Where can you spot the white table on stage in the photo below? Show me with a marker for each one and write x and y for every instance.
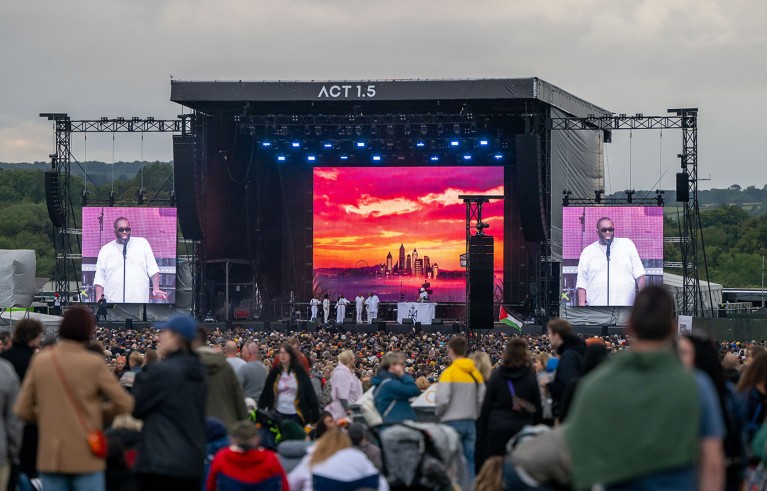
(422, 312)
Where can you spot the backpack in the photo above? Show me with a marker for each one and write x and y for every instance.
(369, 411)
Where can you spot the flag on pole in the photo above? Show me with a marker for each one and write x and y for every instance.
(509, 320)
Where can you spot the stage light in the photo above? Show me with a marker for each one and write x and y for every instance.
(111, 198)
(295, 144)
(172, 199)
(498, 156)
(84, 198)
(266, 144)
(454, 143)
(473, 127)
(344, 157)
(420, 144)
(140, 197)
(311, 158)
(440, 129)
(328, 145)
(457, 129)
(318, 130)
(434, 158)
(483, 143)
(376, 158)
(307, 130)
(281, 158)
(360, 144)
(390, 130)
(467, 157)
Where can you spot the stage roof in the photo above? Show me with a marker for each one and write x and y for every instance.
(270, 97)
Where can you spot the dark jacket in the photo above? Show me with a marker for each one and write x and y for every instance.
(307, 406)
(170, 398)
(569, 369)
(497, 413)
(19, 355)
(225, 400)
(399, 389)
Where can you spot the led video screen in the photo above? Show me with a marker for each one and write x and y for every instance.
(129, 255)
(609, 253)
(395, 230)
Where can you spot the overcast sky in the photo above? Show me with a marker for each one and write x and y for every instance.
(95, 58)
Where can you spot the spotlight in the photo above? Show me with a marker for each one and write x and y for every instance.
(598, 195)
(295, 145)
(328, 145)
(467, 157)
(498, 156)
(84, 197)
(376, 158)
(172, 199)
(111, 198)
(408, 129)
(318, 130)
(344, 157)
(440, 129)
(434, 158)
(457, 129)
(454, 143)
(311, 158)
(630, 195)
(420, 144)
(266, 144)
(360, 144)
(483, 143)
(373, 130)
(390, 130)
(358, 130)
(424, 129)
(281, 158)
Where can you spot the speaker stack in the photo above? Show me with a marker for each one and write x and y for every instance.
(480, 279)
(53, 199)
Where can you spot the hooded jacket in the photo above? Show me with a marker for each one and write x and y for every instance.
(569, 368)
(460, 391)
(170, 399)
(234, 469)
(398, 390)
(225, 401)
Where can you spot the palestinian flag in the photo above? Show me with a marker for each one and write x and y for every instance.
(509, 320)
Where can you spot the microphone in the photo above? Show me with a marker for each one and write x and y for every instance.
(125, 249)
(609, 242)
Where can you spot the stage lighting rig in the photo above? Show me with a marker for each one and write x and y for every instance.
(481, 226)
(659, 197)
(598, 195)
(111, 198)
(630, 195)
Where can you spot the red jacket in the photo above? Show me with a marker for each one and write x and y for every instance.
(245, 468)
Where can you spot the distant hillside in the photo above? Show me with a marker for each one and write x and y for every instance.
(99, 172)
(752, 199)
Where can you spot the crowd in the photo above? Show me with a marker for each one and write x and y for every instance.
(179, 406)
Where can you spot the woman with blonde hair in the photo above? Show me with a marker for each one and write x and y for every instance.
(346, 388)
(482, 362)
(333, 464)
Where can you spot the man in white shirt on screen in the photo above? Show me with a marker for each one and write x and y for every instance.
(609, 261)
(125, 267)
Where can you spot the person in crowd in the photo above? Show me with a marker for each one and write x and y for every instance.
(10, 426)
(750, 354)
(595, 354)
(216, 438)
(325, 424)
(359, 436)
(225, 400)
(27, 334)
(702, 355)
(422, 383)
(245, 466)
(540, 362)
(230, 352)
(570, 349)
(252, 375)
(102, 309)
(170, 399)
(120, 366)
(122, 440)
(135, 361)
(288, 389)
(393, 389)
(372, 304)
(302, 359)
(663, 418)
(490, 476)
(752, 388)
(5, 341)
(64, 392)
(150, 356)
(294, 445)
(334, 464)
(346, 388)
(325, 308)
(513, 400)
(730, 365)
(341, 309)
(483, 363)
(460, 392)
(359, 305)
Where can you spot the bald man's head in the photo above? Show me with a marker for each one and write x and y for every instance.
(230, 349)
(250, 352)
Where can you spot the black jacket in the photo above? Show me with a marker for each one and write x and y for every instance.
(19, 355)
(307, 406)
(170, 398)
(569, 369)
(497, 413)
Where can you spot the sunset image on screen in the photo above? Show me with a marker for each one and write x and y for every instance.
(390, 230)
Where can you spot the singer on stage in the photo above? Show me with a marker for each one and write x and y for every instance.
(609, 270)
(125, 267)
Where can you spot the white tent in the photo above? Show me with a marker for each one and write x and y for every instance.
(711, 292)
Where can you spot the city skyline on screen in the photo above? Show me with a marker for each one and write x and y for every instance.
(399, 227)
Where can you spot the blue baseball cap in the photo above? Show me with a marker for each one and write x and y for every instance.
(184, 325)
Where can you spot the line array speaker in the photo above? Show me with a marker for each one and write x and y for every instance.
(53, 200)
(682, 187)
(529, 188)
(481, 281)
(186, 195)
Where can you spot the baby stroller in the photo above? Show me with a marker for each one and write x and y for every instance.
(423, 456)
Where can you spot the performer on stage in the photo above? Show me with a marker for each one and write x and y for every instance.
(125, 267)
(359, 303)
(423, 295)
(102, 311)
(609, 270)
(341, 309)
(326, 308)
(315, 304)
(372, 303)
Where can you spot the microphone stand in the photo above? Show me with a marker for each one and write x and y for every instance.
(608, 273)
(125, 256)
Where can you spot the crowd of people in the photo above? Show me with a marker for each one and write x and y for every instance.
(179, 406)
